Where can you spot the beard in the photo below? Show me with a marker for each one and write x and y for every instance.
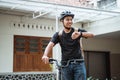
(67, 28)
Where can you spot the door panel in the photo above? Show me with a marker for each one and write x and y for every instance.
(97, 64)
(20, 62)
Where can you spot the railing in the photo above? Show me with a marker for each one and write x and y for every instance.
(28, 76)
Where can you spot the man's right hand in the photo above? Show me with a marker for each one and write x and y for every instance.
(45, 59)
(48, 49)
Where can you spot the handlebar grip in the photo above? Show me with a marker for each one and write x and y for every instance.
(51, 60)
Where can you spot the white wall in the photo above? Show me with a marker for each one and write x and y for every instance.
(104, 26)
(100, 44)
(118, 3)
(6, 53)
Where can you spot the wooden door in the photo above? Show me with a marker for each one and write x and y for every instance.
(28, 52)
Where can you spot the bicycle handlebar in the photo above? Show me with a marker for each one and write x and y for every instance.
(51, 60)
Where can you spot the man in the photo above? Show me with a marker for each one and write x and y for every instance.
(70, 46)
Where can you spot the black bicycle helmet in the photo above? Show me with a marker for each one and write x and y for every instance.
(66, 13)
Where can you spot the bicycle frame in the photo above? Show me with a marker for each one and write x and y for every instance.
(51, 61)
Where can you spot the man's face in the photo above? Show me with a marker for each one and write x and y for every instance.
(67, 22)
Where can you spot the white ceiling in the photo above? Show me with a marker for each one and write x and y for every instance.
(35, 9)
